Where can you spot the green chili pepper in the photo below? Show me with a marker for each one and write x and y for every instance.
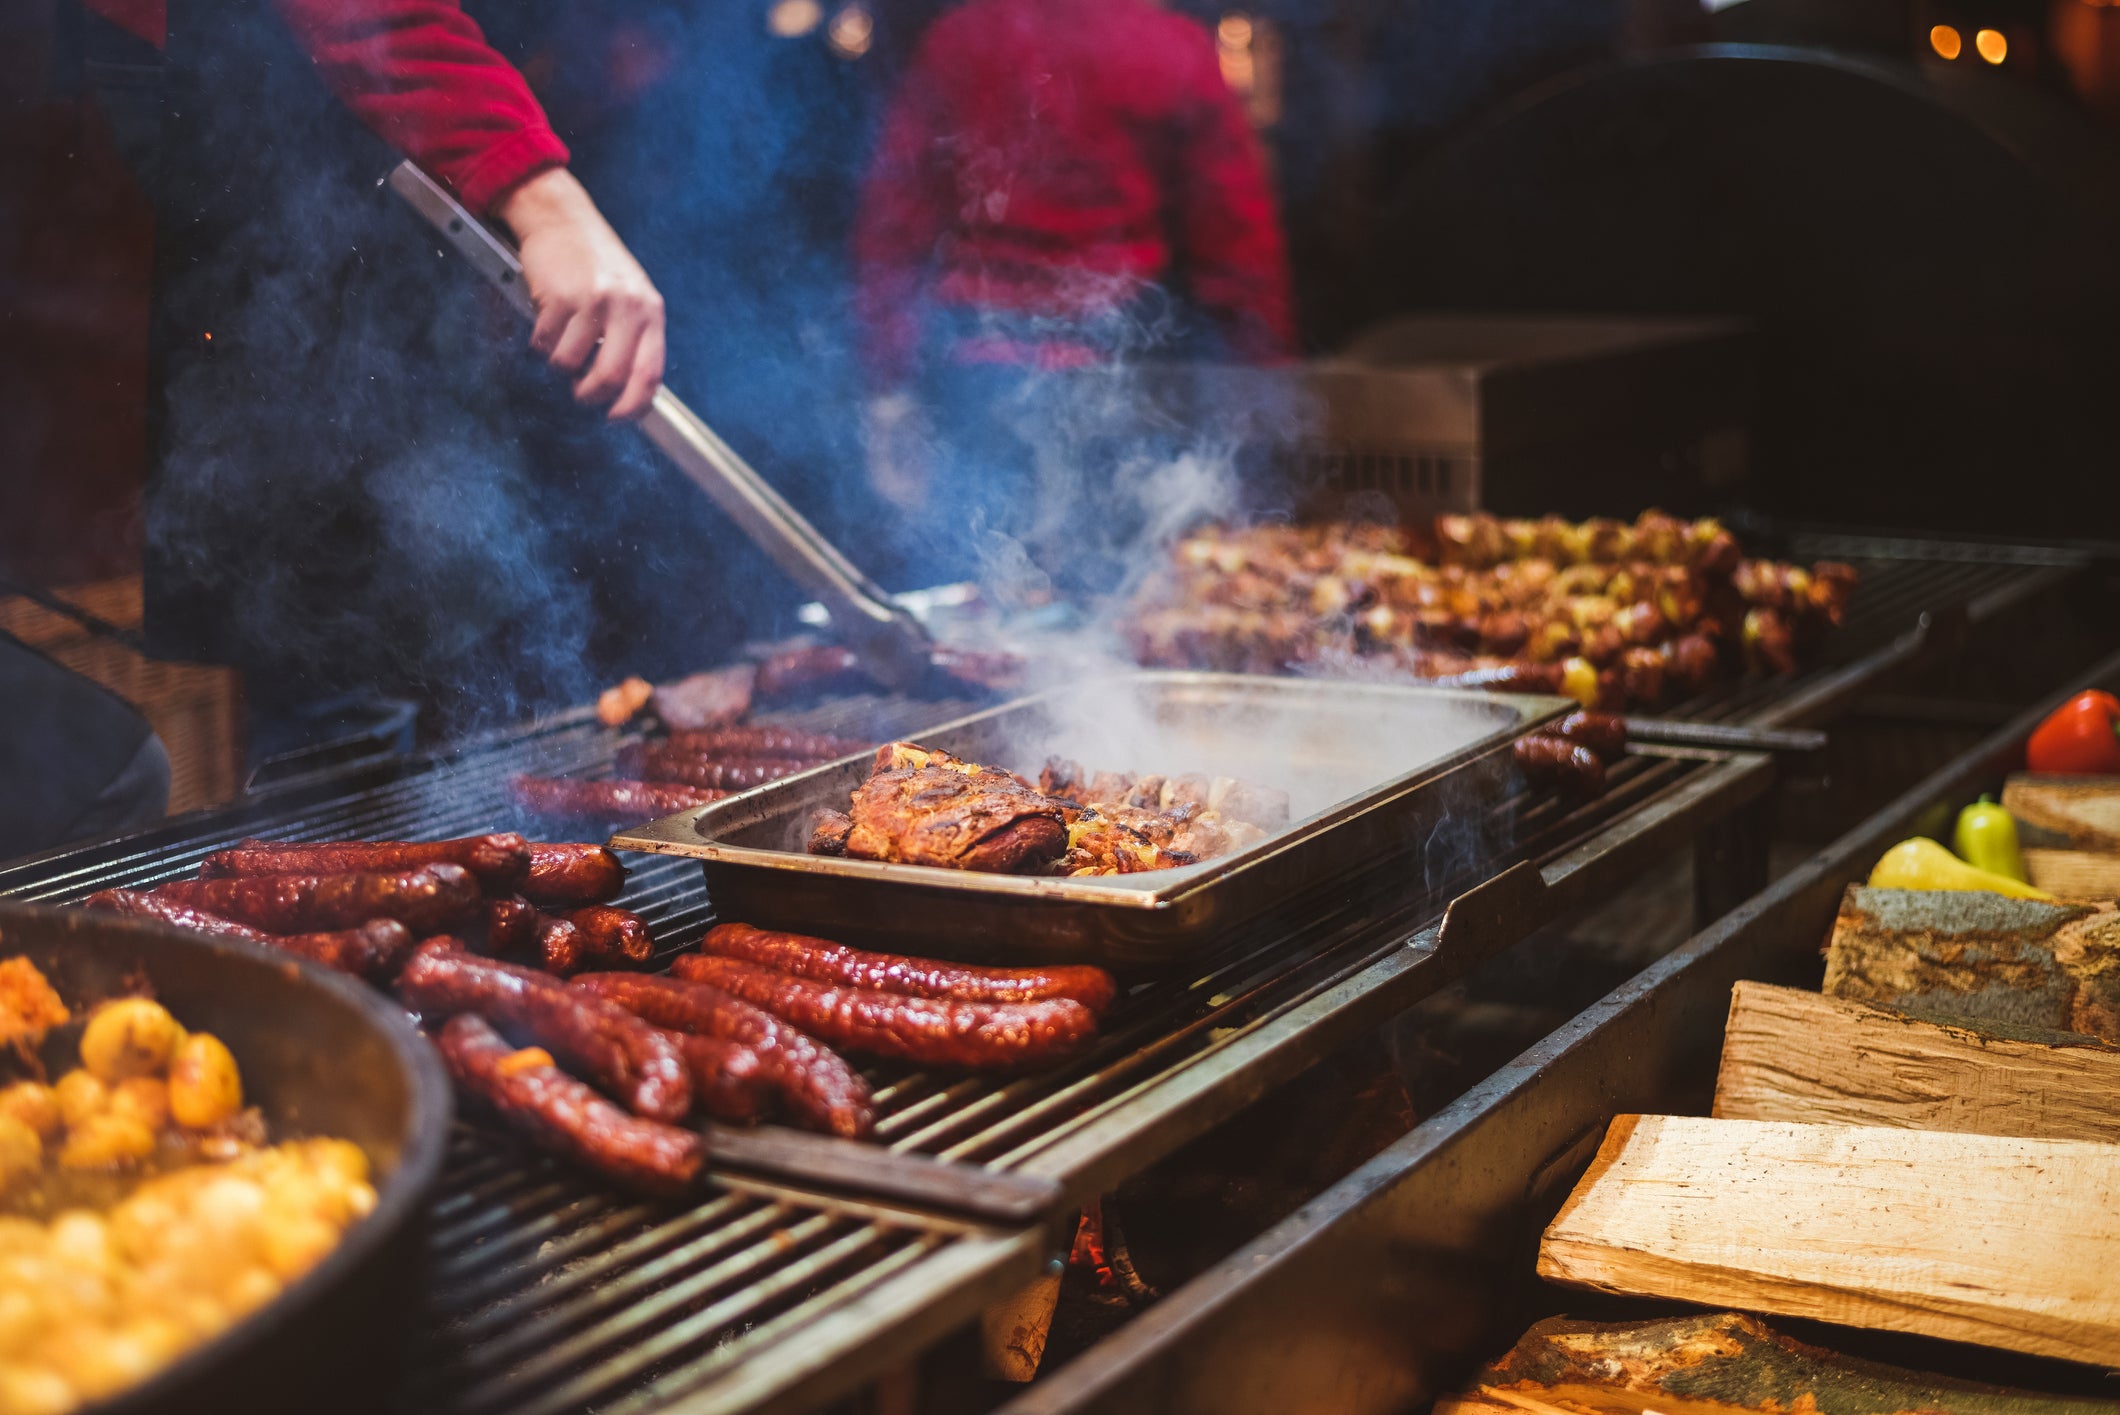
(1986, 838)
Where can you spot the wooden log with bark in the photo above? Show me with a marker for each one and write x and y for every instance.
(1799, 1056)
(1955, 953)
(1719, 1363)
(1999, 1241)
(2077, 812)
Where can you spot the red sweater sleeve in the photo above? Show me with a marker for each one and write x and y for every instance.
(1226, 230)
(907, 204)
(420, 73)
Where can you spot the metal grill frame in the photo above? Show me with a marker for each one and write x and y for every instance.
(1259, 1018)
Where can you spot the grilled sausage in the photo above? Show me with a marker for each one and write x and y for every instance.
(927, 1031)
(611, 936)
(759, 741)
(639, 1064)
(814, 1082)
(499, 861)
(428, 900)
(560, 1114)
(510, 926)
(808, 670)
(374, 950)
(607, 800)
(573, 875)
(658, 761)
(559, 948)
(1602, 732)
(828, 962)
(1557, 762)
(729, 1082)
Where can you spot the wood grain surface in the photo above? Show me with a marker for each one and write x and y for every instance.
(1719, 1363)
(1799, 1056)
(2001, 1241)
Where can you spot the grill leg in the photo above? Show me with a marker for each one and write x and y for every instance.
(1730, 861)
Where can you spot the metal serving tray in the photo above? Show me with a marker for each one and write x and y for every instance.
(1391, 787)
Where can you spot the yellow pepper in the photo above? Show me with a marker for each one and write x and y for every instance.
(1923, 864)
(1986, 839)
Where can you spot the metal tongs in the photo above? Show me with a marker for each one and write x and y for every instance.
(891, 643)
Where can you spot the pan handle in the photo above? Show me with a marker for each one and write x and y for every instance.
(891, 643)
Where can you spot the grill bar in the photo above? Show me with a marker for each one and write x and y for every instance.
(549, 1293)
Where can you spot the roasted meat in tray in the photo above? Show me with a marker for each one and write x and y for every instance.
(1386, 786)
(922, 806)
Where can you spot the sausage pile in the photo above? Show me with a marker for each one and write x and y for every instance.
(514, 957)
(1614, 615)
(602, 1068)
(682, 770)
(360, 906)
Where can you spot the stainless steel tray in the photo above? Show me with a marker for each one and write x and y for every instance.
(1391, 787)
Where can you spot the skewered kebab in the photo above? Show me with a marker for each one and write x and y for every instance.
(1620, 631)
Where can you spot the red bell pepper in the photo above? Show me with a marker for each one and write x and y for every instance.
(2082, 738)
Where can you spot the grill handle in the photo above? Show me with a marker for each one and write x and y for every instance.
(891, 643)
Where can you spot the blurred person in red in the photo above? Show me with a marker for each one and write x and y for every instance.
(359, 484)
(1056, 187)
(421, 76)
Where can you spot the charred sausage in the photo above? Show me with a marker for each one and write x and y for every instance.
(573, 875)
(560, 950)
(374, 950)
(560, 1114)
(1557, 762)
(657, 761)
(639, 1064)
(428, 900)
(828, 962)
(758, 741)
(510, 926)
(611, 936)
(607, 800)
(499, 861)
(814, 1082)
(1602, 732)
(927, 1031)
(729, 1082)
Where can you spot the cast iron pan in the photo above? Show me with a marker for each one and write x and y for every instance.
(321, 1054)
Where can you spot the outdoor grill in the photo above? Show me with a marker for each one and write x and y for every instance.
(550, 1292)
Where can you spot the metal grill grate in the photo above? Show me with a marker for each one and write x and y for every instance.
(553, 1294)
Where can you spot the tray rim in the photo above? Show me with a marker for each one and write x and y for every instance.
(680, 834)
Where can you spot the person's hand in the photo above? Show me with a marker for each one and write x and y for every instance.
(592, 297)
(899, 443)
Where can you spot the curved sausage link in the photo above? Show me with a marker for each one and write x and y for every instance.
(428, 900)
(814, 1082)
(761, 741)
(560, 1114)
(637, 1063)
(374, 950)
(829, 962)
(607, 800)
(499, 861)
(926, 1031)
(660, 762)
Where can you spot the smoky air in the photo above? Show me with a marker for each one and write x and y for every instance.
(364, 481)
